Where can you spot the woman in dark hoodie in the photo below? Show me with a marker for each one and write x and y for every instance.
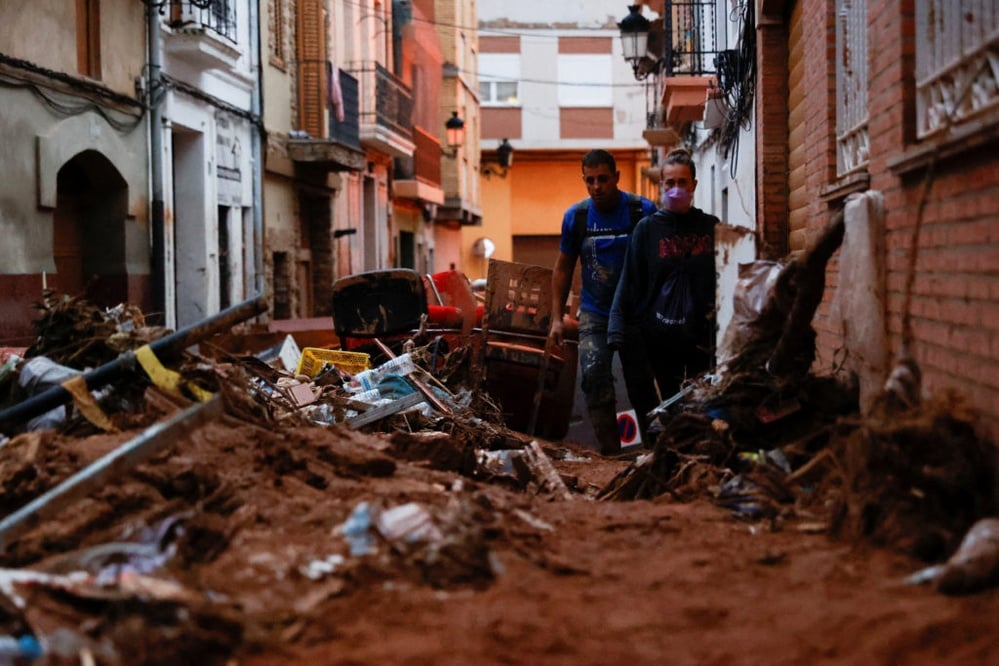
(667, 285)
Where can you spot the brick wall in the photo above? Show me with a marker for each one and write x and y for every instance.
(955, 301)
(771, 138)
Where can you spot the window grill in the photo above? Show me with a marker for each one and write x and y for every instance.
(957, 51)
(852, 139)
(390, 105)
(219, 16)
(694, 38)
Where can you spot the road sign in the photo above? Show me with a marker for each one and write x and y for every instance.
(627, 428)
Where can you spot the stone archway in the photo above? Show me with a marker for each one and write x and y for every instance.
(89, 230)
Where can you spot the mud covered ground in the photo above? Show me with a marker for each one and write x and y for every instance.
(244, 562)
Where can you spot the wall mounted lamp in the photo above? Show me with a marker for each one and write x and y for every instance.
(504, 158)
(635, 30)
(455, 134)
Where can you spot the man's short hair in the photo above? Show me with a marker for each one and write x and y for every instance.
(595, 158)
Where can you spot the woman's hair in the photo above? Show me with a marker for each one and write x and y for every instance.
(682, 156)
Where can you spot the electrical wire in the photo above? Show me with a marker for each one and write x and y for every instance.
(67, 104)
(739, 90)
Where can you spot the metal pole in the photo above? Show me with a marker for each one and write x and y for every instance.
(109, 372)
(113, 464)
(157, 222)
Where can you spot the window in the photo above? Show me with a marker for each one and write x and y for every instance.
(957, 44)
(852, 140)
(88, 38)
(499, 75)
(276, 42)
(584, 80)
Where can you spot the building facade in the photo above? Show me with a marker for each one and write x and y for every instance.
(74, 197)
(205, 155)
(554, 84)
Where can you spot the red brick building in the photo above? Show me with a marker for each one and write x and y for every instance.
(897, 97)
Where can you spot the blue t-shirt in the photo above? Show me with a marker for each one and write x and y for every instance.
(601, 256)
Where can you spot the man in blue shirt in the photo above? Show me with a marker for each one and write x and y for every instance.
(596, 231)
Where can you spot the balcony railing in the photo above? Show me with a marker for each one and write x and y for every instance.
(385, 100)
(694, 39)
(219, 17)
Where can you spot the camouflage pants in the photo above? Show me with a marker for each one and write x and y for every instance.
(597, 378)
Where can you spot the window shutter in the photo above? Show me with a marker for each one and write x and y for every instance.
(311, 37)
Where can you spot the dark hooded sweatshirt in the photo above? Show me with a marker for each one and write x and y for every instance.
(663, 245)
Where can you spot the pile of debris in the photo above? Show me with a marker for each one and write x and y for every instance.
(260, 489)
(771, 440)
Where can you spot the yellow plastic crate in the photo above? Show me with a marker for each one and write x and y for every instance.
(313, 359)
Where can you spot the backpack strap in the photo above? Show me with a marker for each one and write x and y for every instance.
(635, 206)
(582, 209)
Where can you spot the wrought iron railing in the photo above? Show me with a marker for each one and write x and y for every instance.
(957, 48)
(385, 100)
(219, 16)
(346, 131)
(852, 140)
(694, 38)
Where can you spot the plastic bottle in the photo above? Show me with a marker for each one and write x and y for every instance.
(26, 647)
(357, 530)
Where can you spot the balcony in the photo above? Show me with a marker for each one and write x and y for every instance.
(419, 177)
(694, 58)
(206, 37)
(386, 110)
(340, 149)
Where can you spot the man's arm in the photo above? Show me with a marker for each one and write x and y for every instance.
(561, 281)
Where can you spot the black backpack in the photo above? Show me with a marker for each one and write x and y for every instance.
(580, 232)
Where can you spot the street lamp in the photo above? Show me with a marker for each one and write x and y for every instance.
(504, 157)
(455, 134)
(635, 37)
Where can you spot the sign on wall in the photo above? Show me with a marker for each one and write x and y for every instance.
(228, 160)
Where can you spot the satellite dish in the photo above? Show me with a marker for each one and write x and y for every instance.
(483, 247)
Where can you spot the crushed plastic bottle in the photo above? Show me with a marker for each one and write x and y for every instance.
(357, 530)
(26, 649)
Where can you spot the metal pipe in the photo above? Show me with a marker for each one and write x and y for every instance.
(114, 464)
(257, 109)
(112, 370)
(157, 208)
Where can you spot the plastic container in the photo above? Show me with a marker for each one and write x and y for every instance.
(313, 359)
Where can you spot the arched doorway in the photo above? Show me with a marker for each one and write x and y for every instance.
(88, 235)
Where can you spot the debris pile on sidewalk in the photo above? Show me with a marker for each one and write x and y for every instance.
(769, 439)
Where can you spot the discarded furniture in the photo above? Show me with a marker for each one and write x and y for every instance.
(533, 381)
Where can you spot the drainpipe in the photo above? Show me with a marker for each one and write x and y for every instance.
(257, 143)
(156, 211)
